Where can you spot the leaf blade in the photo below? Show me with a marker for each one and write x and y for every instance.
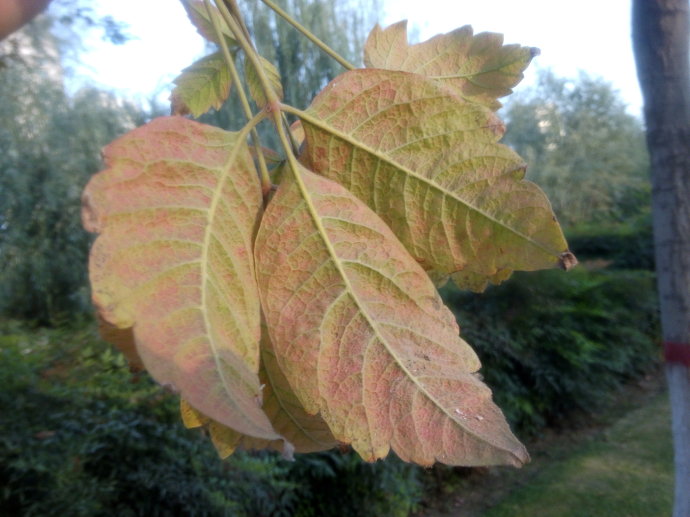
(352, 343)
(478, 67)
(256, 89)
(305, 432)
(202, 86)
(452, 194)
(176, 210)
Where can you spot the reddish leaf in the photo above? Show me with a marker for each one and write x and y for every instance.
(123, 339)
(307, 433)
(363, 337)
(176, 210)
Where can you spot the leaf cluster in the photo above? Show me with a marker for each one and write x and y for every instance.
(294, 306)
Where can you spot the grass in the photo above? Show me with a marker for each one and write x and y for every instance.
(614, 462)
(626, 471)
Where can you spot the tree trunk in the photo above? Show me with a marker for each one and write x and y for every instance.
(660, 39)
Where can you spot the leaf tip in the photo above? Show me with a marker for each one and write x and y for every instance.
(567, 260)
(520, 457)
(288, 451)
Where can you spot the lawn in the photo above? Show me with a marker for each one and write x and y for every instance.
(625, 471)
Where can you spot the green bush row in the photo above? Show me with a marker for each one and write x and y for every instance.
(625, 246)
(81, 436)
(552, 342)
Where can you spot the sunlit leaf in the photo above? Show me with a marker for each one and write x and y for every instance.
(176, 210)
(477, 67)
(256, 89)
(202, 86)
(363, 337)
(431, 166)
(196, 10)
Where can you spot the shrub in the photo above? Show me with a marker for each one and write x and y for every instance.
(551, 342)
(81, 437)
(626, 246)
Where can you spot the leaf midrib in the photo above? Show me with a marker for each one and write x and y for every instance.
(205, 273)
(384, 158)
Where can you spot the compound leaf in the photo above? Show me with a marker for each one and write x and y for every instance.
(476, 67)
(430, 165)
(176, 210)
(363, 337)
(202, 86)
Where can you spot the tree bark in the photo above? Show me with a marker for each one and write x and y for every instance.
(660, 40)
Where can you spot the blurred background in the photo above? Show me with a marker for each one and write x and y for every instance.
(565, 354)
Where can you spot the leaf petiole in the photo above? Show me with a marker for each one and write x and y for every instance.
(264, 177)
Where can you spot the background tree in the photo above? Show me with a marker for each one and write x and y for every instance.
(50, 145)
(661, 40)
(304, 69)
(582, 146)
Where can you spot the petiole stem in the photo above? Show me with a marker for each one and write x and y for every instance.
(264, 176)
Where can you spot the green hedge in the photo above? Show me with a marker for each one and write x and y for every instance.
(626, 246)
(551, 342)
(81, 436)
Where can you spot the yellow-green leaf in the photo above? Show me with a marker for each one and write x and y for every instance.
(176, 210)
(256, 89)
(198, 15)
(363, 337)
(202, 86)
(430, 165)
(477, 67)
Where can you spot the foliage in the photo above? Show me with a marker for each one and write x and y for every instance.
(307, 307)
(81, 436)
(582, 147)
(552, 343)
(303, 68)
(626, 245)
(50, 145)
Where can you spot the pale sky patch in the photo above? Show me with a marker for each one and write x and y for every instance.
(589, 35)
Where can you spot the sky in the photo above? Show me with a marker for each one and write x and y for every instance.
(592, 36)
